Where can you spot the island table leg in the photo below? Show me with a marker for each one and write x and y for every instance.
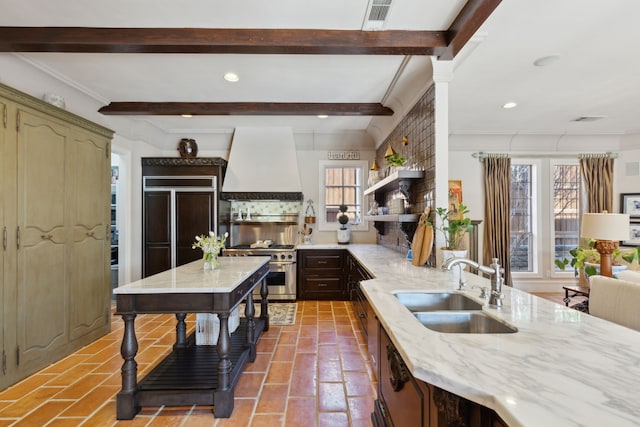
(264, 304)
(181, 331)
(126, 401)
(223, 396)
(249, 313)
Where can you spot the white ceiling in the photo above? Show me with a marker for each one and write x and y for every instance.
(598, 73)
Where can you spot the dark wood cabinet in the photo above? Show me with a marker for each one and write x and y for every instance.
(180, 201)
(406, 401)
(403, 401)
(322, 274)
(367, 318)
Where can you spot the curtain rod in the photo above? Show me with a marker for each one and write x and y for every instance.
(482, 155)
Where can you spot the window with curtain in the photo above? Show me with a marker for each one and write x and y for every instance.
(341, 183)
(544, 214)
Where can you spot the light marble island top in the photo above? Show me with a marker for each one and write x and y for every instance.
(192, 278)
(562, 368)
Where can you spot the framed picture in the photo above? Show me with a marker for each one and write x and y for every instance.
(630, 204)
(634, 235)
(455, 197)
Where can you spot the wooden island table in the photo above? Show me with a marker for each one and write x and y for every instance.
(193, 374)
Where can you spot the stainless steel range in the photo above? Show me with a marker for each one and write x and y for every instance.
(267, 227)
(281, 280)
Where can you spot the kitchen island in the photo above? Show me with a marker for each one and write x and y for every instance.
(561, 368)
(193, 374)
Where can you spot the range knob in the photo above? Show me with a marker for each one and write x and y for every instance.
(290, 256)
(282, 256)
(275, 257)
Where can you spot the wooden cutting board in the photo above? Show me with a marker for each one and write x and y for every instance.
(422, 241)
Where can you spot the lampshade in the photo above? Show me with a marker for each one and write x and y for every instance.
(390, 151)
(605, 226)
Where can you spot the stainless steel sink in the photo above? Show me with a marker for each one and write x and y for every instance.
(436, 301)
(464, 322)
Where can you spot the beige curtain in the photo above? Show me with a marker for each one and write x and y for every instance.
(597, 175)
(497, 184)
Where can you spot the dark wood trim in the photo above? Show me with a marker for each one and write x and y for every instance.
(470, 18)
(245, 109)
(225, 40)
(182, 161)
(443, 44)
(227, 195)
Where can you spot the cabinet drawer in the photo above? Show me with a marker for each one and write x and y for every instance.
(322, 261)
(322, 284)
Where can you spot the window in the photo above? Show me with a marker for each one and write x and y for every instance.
(341, 183)
(544, 214)
(566, 209)
(522, 218)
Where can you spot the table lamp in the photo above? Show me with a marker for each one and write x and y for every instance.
(606, 229)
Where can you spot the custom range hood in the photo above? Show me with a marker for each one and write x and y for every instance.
(262, 165)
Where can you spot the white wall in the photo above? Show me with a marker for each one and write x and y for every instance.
(311, 148)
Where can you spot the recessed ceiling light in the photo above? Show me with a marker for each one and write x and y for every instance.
(186, 115)
(509, 105)
(323, 116)
(546, 60)
(231, 77)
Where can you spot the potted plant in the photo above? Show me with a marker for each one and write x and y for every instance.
(343, 233)
(395, 160)
(588, 259)
(453, 225)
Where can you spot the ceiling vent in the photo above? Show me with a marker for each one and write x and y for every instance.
(588, 118)
(376, 16)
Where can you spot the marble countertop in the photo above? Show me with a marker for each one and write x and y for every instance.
(562, 367)
(192, 278)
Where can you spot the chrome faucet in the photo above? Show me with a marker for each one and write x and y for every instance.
(495, 271)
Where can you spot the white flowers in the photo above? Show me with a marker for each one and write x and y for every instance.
(210, 244)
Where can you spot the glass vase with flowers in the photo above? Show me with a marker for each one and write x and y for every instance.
(210, 246)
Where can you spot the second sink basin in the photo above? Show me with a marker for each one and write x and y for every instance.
(436, 301)
(464, 322)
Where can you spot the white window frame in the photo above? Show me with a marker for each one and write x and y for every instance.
(543, 232)
(568, 272)
(323, 225)
(536, 201)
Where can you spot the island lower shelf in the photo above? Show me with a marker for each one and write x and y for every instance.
(189, 375)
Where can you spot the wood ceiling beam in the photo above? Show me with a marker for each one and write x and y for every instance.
(207, 40)
(470, 18)
(245, 109)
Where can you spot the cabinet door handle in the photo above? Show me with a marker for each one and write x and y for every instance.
(322, 285)
(322, 262)
(18, 237)
(90, 233)
(4, 238)
(46, 236)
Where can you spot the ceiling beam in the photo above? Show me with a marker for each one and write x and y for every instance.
(245, 109)
(470, 18)
(207, 40)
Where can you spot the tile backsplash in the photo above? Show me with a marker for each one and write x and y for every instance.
(266, 207)
(419, 152)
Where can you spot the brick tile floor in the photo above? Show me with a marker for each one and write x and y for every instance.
(313, 373)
